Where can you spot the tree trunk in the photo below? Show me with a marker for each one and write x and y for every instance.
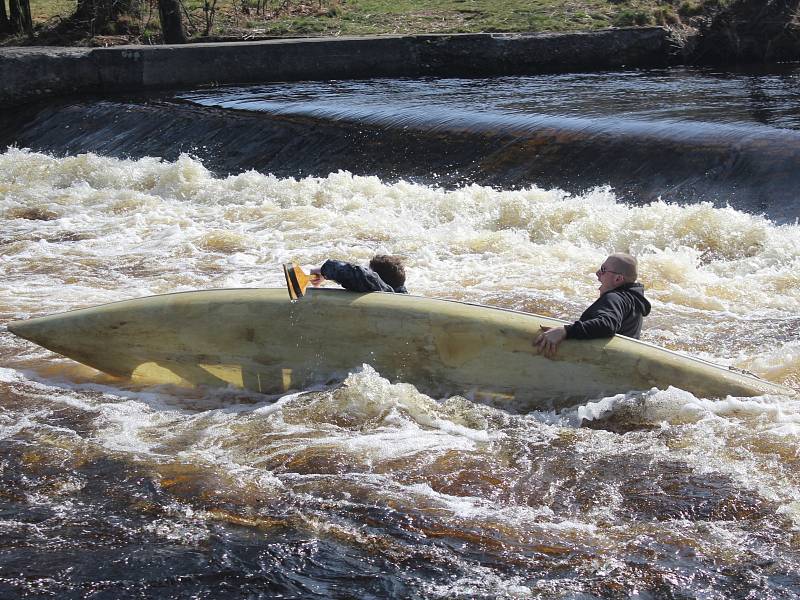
(21, 16)
(171, 26)
(5, 24)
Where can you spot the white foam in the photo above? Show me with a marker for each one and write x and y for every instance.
(10, 375)
(156, 217)
(724, 284)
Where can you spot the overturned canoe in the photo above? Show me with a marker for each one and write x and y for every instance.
(258, 339)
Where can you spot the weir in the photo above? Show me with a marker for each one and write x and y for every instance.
(750, 169)
(39, 72)
(122, 110)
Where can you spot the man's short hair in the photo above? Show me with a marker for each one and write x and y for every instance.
(625, 265)
(389, 268)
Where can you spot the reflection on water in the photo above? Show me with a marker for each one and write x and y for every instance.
(658, 96)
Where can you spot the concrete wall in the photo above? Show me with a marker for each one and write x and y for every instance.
(28, 74)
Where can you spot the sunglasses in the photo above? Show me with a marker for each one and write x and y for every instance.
(603, 271)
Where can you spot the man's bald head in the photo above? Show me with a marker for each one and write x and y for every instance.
(624, 264)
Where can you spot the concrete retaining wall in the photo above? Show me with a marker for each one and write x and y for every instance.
(33, 73)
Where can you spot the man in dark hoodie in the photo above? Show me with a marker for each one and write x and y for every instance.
(619, 309)
(385, 274)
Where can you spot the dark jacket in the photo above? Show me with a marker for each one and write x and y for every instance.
(617, 311)
(356, 279)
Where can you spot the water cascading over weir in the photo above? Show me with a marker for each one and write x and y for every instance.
(115, 102)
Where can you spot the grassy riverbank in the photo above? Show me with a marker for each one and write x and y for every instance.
(256, 19)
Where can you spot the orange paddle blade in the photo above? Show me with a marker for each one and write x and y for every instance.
(296, 280)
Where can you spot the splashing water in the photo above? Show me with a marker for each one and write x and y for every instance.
(372, 489)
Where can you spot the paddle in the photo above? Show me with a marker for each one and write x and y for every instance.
(296, 280)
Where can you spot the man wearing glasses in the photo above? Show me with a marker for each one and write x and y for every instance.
(619, 309)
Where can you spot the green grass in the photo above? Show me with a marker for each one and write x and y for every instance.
(250, 19)
(46, 10)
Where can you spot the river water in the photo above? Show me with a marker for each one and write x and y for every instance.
(372, 489)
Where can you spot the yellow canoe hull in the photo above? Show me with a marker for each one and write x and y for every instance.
(259, 340)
